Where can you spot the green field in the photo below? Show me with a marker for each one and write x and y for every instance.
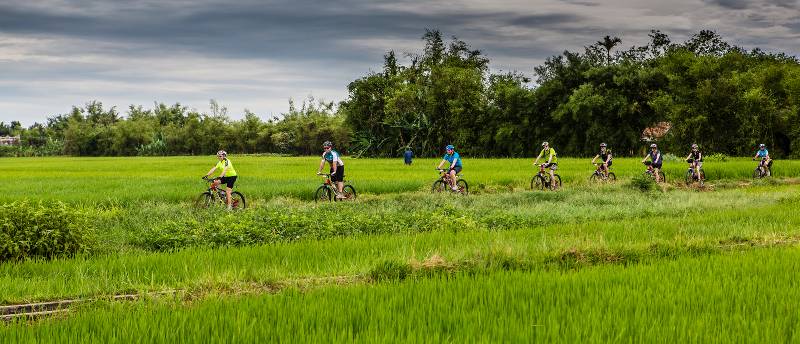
(586, 263)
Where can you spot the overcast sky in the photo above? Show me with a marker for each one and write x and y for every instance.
(258, 54)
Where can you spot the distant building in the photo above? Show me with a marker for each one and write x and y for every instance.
(656, 132)
(9, 140)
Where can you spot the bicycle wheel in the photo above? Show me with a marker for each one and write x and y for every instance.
(237, 200)
(689, 177)
(594, 178)
(555, 184)
(205, 200)
(662, 176)
(348, 193)
(323, 194)
(439, 186)
(537, 182)
(612, 177)
(757, 173)
(462, 186)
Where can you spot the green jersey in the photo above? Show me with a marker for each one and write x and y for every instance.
(226, 163)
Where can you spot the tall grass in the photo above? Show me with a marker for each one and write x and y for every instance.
(721, 298)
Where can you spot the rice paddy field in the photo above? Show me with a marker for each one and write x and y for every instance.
(586, 263)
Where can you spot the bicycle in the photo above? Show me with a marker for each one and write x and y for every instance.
(692, 176)
(763, 169)
(599, 176)
(327, 190)
(217, 196)
(651, 172)
(443, 184)
(542, 180)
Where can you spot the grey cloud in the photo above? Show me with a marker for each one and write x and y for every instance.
(731, 4)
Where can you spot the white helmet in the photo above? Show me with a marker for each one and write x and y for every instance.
(222, 153)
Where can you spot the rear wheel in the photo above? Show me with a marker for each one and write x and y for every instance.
(537, 183)
(348, 193)
(462, 186)
(205, 200)
(237, 200)
(438, 186)
(594, 178)
(555, 184)
(323, 194)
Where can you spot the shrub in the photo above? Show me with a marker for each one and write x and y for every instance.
(643, 183)
(46, 230)
(716, 157)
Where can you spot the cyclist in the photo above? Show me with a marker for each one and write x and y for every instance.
(454, 160)
(227, 176)
(605, 156)
(552, 159)
(697, 160)
(337, 166)
(655, 156)
(766, 161)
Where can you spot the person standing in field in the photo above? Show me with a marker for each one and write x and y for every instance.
(337, 166)
(454, 160)
(408, 155)
(552, 159)
(604, 156)
(655, 156)
(227, 175)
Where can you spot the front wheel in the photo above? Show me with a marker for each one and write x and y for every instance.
(757, 173)
(462, 186)
(595, 177)
(662, 177)
(205, 200)
(689, 177)
(537, 182)
(438, 186)
(348, 193)
(237, 200)
(323, 194)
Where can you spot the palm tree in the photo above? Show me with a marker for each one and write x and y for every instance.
(609, 43)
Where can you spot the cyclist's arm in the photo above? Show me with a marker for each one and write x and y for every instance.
(699, 156)
(658, 157)
(537, 158)
(688, 156)
(211, 171)
(441, 163)
(453, 165)
(645, 157)
(595, 158)
(608, 158)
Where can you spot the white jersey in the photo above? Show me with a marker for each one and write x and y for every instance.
(333, 156)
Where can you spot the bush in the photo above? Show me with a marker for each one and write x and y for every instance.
(46, 230)
(643, 183)
(716, 157)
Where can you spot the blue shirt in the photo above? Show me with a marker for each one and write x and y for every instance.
(762, 153)
(452, 157)
(408, 155)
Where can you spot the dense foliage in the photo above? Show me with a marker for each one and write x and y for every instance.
(43, 230)
(704, 90)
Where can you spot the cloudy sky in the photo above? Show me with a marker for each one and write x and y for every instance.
(258, 54)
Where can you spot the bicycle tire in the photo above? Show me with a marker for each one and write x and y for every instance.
(238, 201)
(663, 177)
(438, 186)
(757, 173)
(462, 186)
(555, 184)
(594, 178)
(689, 177)
(323, 194)
(612, 177)
(537, 183)
(205, 200)
(349, 193)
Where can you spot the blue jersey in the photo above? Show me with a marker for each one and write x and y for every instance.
(762, 153)
(451, 157)
(654, 155)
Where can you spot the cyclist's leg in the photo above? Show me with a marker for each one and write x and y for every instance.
(451, 178)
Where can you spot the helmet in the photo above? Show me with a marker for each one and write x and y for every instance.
(449, 147)
(222, 153)
(545, 143)
(327, 144)
(762, 146)
(694, 146)
(603, 144)
(653, 145)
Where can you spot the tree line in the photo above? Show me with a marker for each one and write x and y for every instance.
(725, 98)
